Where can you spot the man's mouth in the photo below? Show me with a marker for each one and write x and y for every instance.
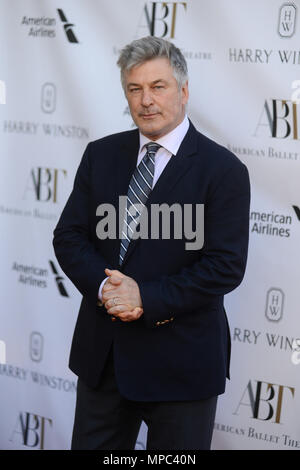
(148, 115)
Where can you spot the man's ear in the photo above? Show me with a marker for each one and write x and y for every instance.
(185, 92)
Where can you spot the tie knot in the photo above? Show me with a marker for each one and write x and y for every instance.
(152, 148)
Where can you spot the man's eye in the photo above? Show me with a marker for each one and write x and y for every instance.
(134, 90)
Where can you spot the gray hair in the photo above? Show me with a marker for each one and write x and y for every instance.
(148, 48)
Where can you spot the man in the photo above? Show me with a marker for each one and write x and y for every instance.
(152, 341)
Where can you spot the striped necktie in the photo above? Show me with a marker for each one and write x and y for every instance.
(138, 192)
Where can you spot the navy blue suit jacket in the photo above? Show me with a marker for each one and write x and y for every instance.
(186, 358)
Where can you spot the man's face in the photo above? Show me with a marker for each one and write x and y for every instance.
(156, 104)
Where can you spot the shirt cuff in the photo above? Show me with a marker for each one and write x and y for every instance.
(100, 303)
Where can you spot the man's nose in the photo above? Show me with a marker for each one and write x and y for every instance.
(147, 98)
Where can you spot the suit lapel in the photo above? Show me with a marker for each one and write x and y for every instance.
(126, 163)
(176, 168)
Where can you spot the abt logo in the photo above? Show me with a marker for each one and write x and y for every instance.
(265, 400)
(161, 18)
(30, 430)
(43, 183)
(280, 118)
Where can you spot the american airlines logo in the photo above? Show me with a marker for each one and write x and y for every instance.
(297, 211)
(68, 27)
(45, 27)
(32, 276)
(59, 280)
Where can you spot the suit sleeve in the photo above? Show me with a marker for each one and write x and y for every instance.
(222, 260)
(72, 241)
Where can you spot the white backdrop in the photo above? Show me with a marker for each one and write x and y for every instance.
(60, 85)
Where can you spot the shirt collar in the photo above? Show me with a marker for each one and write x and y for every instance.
(170, 141)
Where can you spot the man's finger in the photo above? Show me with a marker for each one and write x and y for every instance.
(114, 280)
(131, 315)
(117, 309)
(108, 286)
(106, 296)
(114, 272)
(137, 311)
(109, 301)
(123, 313)
(112, 294)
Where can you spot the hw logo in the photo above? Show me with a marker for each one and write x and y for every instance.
(30, 429)
(43, 182)
(67, 27)
(287, 20)
(36, 346)
(274, 304)
(265, 400)
(161, 18)
(48, 98)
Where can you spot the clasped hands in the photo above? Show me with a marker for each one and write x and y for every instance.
(121, 296)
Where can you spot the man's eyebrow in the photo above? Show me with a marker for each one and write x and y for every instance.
(159, 80)
(132, 84)
(152, 83)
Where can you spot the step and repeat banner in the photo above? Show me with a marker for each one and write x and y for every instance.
(59, 89)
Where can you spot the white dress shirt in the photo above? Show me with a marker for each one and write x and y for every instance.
(170, 144)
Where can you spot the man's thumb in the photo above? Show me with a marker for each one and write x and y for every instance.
(113, 278)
